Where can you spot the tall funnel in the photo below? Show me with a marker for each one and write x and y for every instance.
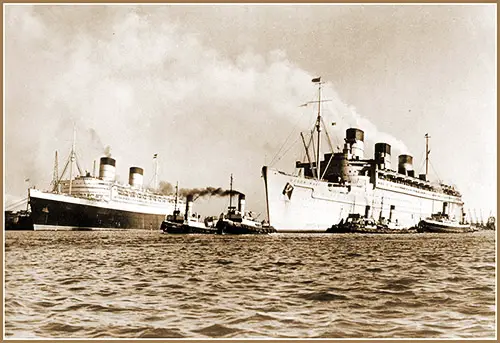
(405, 165)
(241, 203)
(189, 206)
(135, 177)
(355, 139)
(383, 155)
(107, 169)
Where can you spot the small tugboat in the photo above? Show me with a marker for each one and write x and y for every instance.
(490, 225)
(440, 222)
(173, 222)
(20, 220)
(187, 223)
(239, 222)
(355, 223)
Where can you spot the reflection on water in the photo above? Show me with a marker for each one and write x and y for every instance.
(144, 284)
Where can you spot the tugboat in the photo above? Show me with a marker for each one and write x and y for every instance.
(357, 224)
(20, 220)
(189, 223)
(238, 222)
(490, 225)
(440, 222)
(173, 223)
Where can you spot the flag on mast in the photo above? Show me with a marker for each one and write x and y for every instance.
(317, 79)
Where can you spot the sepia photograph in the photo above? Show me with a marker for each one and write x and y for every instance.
(249, 171)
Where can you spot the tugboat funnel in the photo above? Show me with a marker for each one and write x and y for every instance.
(241, 203)
(189, 206)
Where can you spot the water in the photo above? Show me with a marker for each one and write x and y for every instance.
(138, 284)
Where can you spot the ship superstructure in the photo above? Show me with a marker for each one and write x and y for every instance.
(89, 202)
(346, 182)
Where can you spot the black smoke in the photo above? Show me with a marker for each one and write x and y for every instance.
(208, 191)
(168, 189)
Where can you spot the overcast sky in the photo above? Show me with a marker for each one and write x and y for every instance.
(217, 89)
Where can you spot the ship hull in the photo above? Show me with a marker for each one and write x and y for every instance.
(59, 212)
(178, 228)
(229, 227)
(440, 227)
(301, 210)
(297, 204)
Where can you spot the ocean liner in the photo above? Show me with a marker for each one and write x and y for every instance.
(90, 202)
(321, 194)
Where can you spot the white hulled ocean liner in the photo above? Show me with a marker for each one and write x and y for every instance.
(346, 182)
(99, 202)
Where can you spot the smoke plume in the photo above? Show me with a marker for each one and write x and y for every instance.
(167, 188)
(95, 140)
(208, 191)
(107, 151)
(162, 79)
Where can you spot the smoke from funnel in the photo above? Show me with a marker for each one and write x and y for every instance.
(346, 116)
(167, 188)
(208, 191)
(107, 151)
(95, 139)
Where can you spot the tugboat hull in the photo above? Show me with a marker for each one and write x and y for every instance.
(357, 224)
(443, 227)
(229, 227)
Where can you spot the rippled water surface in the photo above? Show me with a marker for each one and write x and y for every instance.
(134, 284)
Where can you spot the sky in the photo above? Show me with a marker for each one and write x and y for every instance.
(216, 90)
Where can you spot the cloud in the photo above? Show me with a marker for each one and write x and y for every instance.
(144, 86)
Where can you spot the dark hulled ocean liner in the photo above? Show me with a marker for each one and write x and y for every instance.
(99, 202)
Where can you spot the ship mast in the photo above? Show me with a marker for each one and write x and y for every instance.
(72, 159)
(155, 178)
(318, 127)
(176, 195)
(307, 153)
(319, 122)
(231, 191)
(55, 176)
(69, 162)
(427, 154)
